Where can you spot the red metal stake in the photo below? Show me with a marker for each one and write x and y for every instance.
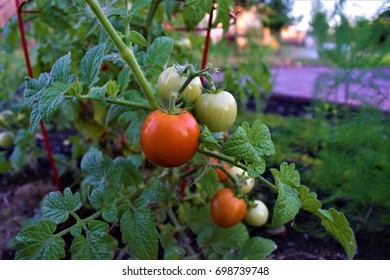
(30, 73)
(207, 42)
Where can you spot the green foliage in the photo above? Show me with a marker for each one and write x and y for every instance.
(121, 196)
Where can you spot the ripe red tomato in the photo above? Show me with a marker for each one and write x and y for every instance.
(169, 140)
(221, 174)
(226, 209)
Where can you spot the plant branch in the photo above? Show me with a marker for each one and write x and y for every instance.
(79, 222)
(125, 53)
(233, 161)
(130, 104)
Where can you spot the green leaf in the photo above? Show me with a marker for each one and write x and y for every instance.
(287, 205)
(256, 248)
(158, 54)
(208, 140)
(208, 181)
(228, 239)
(257, 168)
(32, 94)
(34, 88)
(76, 231)
(124, 79)
(154, 191)
(95, 245)
(260, 137)
(98, 92)
(110, 213)
(61, 71)
(223, 13)
(90, 65)
(138, 5)
(98, 168)
(238, 146)
(137, 38)
(195, 10)
(339, 228)
(112, 88)
(309, 200)
(287, 175)
(57, 206)
(130, 174)
(51, 99)
(102, 196)
(39, 243)
(140, 233)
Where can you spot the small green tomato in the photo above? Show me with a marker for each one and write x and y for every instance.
(6, 139)
(171, 81)
(258, 215)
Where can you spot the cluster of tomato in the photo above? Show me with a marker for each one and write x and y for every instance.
(171, 139)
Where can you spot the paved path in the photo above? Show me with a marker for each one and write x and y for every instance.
(367, 86)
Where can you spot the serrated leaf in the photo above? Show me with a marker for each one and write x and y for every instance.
(287, 205)
(208, 181)
(112, 88)
(157, 54)
(61, 71)
(287, 175)
(238, 146)
(39, 243)
(195, 10)
(309, 200)
(256, 169)
(95, 245)
(34, 88)
(155, 191)
(339, 229)
(139, 232)
(97, 168)
(124, 79)
(101, 196)
(137, 38)
(130, 174)
(227, 239)
(256, 248)
(90, 65)
(98, 92)
(110, 213)
(57, 206)
(35, 117)
(51, 99)
(260, 137)
(223, 13)
(76, 231)
(138, 5)
(208, 140)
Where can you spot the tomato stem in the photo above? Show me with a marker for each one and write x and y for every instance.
(130, 104)
(233, 161)
(125, 52)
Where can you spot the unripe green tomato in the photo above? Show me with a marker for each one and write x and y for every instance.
(6, 114)
(249, 182)
(6, 139)
(183, 43)
(217, 111)
(170, 81)
(258, 215)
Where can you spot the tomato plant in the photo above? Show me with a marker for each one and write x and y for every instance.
(226, 209)
(222, 176)
(218, 111)
(170, 81)
(179, 209)
(169, 140)
(257, 214)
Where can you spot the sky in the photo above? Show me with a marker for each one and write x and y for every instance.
(366, 8)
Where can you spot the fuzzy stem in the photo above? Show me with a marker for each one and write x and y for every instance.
(232, 160)
(125, 53)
